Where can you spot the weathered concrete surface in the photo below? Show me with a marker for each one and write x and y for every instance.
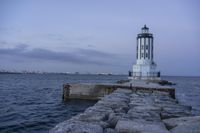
(97, 91)
(127, 111)
(146, 84)
(86, 91)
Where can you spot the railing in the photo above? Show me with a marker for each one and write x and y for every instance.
(153, 74)
(147, 75)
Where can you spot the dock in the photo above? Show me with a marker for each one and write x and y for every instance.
(131, 107)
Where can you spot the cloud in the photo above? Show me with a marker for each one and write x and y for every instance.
(95, 53)
(79, 56)
(69, 38)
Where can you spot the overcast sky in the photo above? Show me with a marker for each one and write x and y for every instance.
(98, 35)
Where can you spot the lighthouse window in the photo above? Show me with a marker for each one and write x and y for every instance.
(142, 46)
(147, 47)
(146, 54)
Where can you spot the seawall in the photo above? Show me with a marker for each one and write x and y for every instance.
(92, 91)
(134, 108)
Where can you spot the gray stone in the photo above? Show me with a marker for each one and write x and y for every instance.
(76, 127)
(127, 126)
(90, 117)
(183, 124)
(113, 119)
(109, 130)
(175, 110)
(148, 108)
(98, 108)
(98, 119)
(131, 111)
(145, 115)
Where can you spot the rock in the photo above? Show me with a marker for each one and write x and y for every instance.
(148, 108)
(144, 115)
(115, 103)
(143, 99)
(76, 127)
(183, 124)
(92, 117)
(175, 110)
(113, 119)
(163, 82)
(99, 109)
(122, 81)
(127, 126)
(132, 112)
(122, 109)
(98, 118)
(116, 97)
(109, 130)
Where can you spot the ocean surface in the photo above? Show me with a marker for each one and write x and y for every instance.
(33, 102)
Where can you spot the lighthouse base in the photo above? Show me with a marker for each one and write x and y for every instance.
(143, 71)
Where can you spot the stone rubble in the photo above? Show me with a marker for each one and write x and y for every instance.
(183, 124)
(126, 111)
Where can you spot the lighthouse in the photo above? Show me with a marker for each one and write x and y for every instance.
(145, 67)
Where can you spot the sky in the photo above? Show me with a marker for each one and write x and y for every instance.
(96, 36)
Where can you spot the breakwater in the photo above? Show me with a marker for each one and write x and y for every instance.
(147, 109)
(92, 91)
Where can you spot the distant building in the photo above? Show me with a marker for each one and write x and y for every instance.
(145, 67)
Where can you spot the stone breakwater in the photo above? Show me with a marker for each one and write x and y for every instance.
(128, 111)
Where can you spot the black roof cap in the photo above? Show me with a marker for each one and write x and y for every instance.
(145, 27)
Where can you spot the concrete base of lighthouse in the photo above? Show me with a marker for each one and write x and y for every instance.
(145, 71)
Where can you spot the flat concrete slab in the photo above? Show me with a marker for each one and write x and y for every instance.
(95, 91)
(146, 84)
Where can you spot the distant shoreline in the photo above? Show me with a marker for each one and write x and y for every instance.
(100, 74)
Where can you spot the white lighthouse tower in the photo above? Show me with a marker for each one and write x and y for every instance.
(145, 67)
